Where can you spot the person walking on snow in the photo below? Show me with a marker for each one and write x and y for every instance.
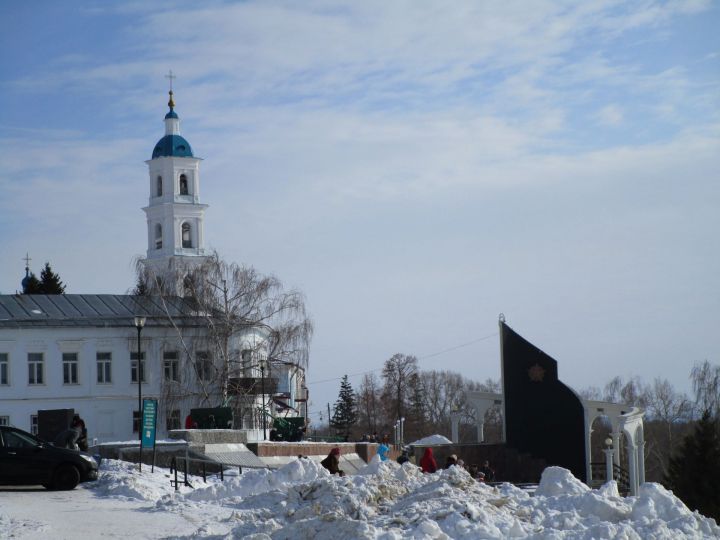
(427, 462)
(332, 462)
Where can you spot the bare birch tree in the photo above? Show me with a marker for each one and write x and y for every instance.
(242, 318)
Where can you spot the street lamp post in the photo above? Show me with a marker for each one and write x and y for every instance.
(262, 390)
(139, 323)
(608, 459)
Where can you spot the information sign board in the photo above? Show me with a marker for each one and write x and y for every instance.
(149, 422)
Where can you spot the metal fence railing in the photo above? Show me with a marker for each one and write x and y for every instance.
(205, 468)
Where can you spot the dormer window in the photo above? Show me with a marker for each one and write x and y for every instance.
(186, 238)
(183, 185)
(158, 236)
(158, 186)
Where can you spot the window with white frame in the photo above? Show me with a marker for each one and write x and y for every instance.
(104, 367)
(4, 420)
(172, 420)
(186, 235)
(171, 366)
(183, 185)
(70, 368)
(4, 369)
(36, 364)
(34, 424)
(203, 366)
(134, 366)
(158, 186)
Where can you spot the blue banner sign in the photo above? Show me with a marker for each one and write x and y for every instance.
(149, 422)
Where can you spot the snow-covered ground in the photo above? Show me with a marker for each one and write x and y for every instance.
(431, 440)
(301, 500)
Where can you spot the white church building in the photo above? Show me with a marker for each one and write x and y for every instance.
(80, 351)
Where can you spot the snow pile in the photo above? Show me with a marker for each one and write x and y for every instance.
(431, 440)
(254, 482)
(556, 481)
(383, 501)
(123, 480)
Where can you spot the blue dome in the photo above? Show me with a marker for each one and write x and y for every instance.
(172, 146)
(171, 114)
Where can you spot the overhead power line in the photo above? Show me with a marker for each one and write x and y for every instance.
(424, 357)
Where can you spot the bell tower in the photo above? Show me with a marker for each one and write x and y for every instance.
(175, 243)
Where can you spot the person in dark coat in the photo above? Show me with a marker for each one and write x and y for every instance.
(78, 424)
(450, 461)
(332, 462)
(427, 462)
(405, 456)
(487, 471)
(67, 439)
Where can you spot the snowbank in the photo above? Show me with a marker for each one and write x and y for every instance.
(431, 440)
(383, 501)
(389, 501)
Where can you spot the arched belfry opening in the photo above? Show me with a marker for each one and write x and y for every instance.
(186, 235)
(158, 236)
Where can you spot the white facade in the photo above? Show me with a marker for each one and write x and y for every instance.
(80, 351)
(91, 368)
(98, 387)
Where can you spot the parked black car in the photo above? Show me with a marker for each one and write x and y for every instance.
(27, 460)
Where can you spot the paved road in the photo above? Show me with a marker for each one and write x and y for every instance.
(29, 512)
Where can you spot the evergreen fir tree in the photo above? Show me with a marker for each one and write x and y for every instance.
(694, 472)
(50, 282)
(141, 288)
(345, 415)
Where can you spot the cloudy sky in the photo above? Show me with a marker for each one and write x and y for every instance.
(416, 168)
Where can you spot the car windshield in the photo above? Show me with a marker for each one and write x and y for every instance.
(15, 439)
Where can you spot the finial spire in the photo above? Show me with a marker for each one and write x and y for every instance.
(27, 260)
(171, 77)
(171, 101)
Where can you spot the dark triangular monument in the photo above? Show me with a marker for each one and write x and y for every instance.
(543, 417)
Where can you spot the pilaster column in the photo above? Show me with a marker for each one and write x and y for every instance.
(455, 419)
(633, 473)
(616, 446)
(481, 431)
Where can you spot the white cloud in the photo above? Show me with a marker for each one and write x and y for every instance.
(610, 115)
